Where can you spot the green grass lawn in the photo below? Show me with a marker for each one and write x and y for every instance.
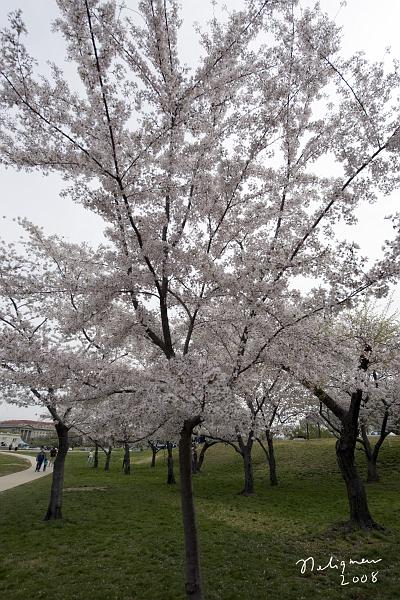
(121, 538)
(12, 464)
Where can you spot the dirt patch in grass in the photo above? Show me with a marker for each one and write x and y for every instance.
(86, 488)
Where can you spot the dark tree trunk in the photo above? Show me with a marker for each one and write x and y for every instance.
(57, 484)
(319, 430)
(359, 512)
(271, 459)
(360, 516)
(170, 465)
(195, 460)
(248, 488)
(154, 451)
(245, 452)
(96, 456)
(153, 457)
(127, 459)
(192, 571)
(204, 449)
(108, 459)
(270, 456)
(373, 475)
(371, 454)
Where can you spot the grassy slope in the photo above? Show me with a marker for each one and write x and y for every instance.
(125, 542)
(12, 464)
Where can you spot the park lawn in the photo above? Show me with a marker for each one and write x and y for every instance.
(121, 537)
(12, 464)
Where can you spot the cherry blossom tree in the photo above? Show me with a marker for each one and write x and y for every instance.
(384, 421)
(237, 426)
(379, 329)
(42, 363)
(211, 179)
(206, 445)
(156, 446)
(237, 423)
(339, 366)
(33, 369)
(378, 417)
(98, 429)
(267, 402)
(281, 404)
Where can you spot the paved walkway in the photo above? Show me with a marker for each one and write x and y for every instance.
(29, 474)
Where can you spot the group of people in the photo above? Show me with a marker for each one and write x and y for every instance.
(42, 458)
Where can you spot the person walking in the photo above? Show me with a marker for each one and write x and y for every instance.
(90, 458)
(39, 460)
(45, 461)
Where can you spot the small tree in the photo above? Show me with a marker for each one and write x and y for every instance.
(31, 372)
(206, 176)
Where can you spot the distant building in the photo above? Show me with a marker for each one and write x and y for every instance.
(28, 430)
(10, 441)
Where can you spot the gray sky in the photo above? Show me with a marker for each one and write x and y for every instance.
(367, 25)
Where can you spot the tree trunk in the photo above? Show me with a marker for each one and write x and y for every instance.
(193, 577)
(57, 484)
(96, 456)
(127, 459)
(372, 472)
(170, 465)
(248, 470)
(154, 451)
(372, 454)
(373, 475)
(195, 460)
(108, 459)
(271, 459)
(360, 516)
(359, 512)
(245, 452)
(204, 449)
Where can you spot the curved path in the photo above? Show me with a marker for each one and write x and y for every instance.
(29, 474)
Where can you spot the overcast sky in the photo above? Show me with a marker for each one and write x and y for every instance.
(368, 25)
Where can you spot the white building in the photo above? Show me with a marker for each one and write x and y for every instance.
(27, 431)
